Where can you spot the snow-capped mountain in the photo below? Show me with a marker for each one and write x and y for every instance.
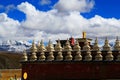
(15, 46)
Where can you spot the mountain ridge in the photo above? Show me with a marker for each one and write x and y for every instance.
(14, 46)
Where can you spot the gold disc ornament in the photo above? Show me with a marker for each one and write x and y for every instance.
(25, 75)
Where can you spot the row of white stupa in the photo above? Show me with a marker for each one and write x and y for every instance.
(69, 51)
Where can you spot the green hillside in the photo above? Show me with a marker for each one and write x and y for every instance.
(10, 60)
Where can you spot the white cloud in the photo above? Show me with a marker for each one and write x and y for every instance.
(103, 27)
(8, 26)
(45, 2)
(49, 21)
(74, 5)
(51, 24)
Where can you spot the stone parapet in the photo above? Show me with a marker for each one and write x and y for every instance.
(73, 53)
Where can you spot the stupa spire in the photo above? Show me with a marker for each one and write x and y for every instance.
(76, 46)
(117, 44)
(50, 49)
(106, 46)
(109, 56)
(33, 48)
(42, 49)
(58, 46)
(24, 57)
(95, 46)
(50, 46)
(67, 47)
(86, 47)
(98, 56)
(118, 56)
(88, 56)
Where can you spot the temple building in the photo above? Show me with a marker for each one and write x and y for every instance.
(72, 59)
(81, 41)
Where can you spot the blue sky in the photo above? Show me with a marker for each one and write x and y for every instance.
(14, 12)
(104, 8)
(53, 19)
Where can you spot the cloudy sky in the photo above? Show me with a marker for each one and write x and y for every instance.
(53, 19)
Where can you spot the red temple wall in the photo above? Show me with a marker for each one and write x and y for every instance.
(71, 70)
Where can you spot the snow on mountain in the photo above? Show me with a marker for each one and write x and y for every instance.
(15, 46)
(20, 46)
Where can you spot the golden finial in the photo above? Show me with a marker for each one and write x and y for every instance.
(50, 46)
(117, 44)
(42, 56)
(76, 46)
(33, 56)
(58, 46)
(118, 56)
(98, 56)
(59, 57)
(41, 47)
(38, 45)
(67, 43)
(84, 34)
(78, 56)
(67, 47)
(106, 46)
(68, 57)
(24, 57)
(88, 56)
(95, 46)
(50, 49)
(86, 47)
(33, 48)
(109, 56)
(50, 56)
